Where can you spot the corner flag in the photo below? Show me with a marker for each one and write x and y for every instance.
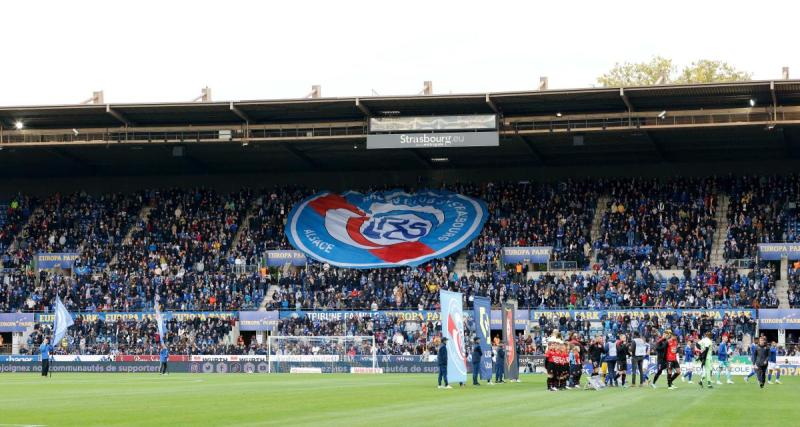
(62, 321)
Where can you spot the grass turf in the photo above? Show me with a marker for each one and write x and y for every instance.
(380, 400)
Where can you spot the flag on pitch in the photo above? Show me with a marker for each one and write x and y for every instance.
(453, 328)
(512, 361)
(62, 321)
(483, 329)
(159, 318)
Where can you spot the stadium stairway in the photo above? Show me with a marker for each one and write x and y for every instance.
(782, 292)
(718, 246)
(597, 222)
(461, 268)
(136, 227)
(268, 297)
(13, 246)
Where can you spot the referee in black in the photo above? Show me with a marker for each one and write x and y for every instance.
(762, 360)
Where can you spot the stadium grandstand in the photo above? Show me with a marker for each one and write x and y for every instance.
(661, 208)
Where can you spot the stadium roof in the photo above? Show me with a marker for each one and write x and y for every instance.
(571, 101)
(656, 124)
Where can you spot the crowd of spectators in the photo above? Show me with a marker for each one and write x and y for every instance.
(761, 209)
(794, 285)
(534, 214)
(196, 335)
(668, 224)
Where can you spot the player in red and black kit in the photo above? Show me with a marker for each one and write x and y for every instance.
(549, 366)
(661, 357)
(561, 359)
(673, 367)
(596, 355)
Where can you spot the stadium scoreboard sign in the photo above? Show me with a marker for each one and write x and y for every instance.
(433, 132)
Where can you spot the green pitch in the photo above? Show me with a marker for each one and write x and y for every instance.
(380, 400)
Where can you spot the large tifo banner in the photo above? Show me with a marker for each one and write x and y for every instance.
(384, 229)
(15, 322)
(258, 320)
(483, 328)
(47, 261)
(281, 258)
(779, 318)
(527, 254)
(453, 330)
(509, 340)
(774, 251)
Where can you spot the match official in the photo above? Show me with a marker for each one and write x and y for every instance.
(44, 351)
(477, 353)
(441, 358)
(762, 360)
(163, 356)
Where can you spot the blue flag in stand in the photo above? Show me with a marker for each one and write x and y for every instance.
(159, 318)
(62, 321)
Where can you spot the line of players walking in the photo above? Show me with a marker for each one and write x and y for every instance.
(611, 360)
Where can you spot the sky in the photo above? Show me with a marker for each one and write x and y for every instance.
(58, 52)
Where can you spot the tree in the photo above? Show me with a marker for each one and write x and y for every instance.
(661, 70)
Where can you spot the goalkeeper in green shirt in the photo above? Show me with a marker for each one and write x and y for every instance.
(705, 347)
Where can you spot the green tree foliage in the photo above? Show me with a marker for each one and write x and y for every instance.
(661, 70)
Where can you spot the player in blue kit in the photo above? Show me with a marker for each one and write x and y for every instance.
(688, 360)
(724, 352)
(773, 364)
(753, 361)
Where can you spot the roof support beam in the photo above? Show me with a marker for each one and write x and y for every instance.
(363, 108)
(303, 156)
(532, 151)
(626, 100)
(118, 116)
(774, 101)
(492, 105)
(240, 113)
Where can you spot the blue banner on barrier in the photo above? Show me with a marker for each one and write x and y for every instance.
(527, 254)
(15, 322)
(779, 318)
(636, 313)
(408, 315)
(168, 315)
(47, 261)
(774, 251)
(483, 329)
(281, 258)
(258, 320)
(384, 229)
(453, 330)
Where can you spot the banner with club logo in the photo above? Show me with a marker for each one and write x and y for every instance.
(483, 328)
(453, 330)
(509, 340)
(384, 229)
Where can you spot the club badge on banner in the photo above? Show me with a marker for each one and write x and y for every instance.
(483, 327)
(384, 229)
(453, 329)
(509, 339)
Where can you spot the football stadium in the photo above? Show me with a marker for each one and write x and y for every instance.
(621, 255)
